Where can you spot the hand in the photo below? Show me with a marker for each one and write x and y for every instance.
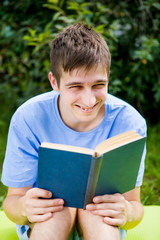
(39, 210)
(114, 208)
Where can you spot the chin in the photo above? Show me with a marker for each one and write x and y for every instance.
(86, 118)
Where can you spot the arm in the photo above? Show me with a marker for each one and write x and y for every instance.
(24, 206)
(125, 211)
(135, 210)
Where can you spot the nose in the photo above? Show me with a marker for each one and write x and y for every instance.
(88, 98)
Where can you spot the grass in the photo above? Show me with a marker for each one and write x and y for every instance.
(150, 188)
(150, 191)
(3, 140)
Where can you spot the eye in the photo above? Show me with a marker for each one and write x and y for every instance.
(99, 85)
(75, 87)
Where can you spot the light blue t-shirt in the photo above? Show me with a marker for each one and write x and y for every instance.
(38, 120)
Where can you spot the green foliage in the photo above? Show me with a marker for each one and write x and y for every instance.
(21, 73)
(131, 29)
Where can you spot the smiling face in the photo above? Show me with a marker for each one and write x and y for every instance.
(82, 97)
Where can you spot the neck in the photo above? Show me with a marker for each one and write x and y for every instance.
(86, 127)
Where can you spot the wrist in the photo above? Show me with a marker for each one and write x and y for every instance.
(134, 214)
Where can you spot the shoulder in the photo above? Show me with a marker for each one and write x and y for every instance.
(35, 106)
(117, 105)
(125, 116)
(115, 102)
(42, 99)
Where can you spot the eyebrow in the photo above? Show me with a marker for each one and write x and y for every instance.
(81, 83)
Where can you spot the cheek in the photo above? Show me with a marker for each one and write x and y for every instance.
(102, 94)
(71, 97)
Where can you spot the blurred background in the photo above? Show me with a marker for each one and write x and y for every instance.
(131, 29)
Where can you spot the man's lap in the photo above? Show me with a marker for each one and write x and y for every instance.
(23, 231)
(93, 227)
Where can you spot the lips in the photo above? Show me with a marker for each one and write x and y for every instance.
(87, 110)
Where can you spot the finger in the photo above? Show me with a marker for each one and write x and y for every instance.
(44, 203)
(114, 221)
(108, 198)
(40, 217)
(37, 211)
(105, 213)
(102, 206)
(39, 193)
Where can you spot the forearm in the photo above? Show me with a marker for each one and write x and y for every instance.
(13, 207)
(134, 214)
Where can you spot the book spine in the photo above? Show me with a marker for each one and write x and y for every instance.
(92, 179)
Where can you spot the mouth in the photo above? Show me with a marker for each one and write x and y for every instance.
(87, 109)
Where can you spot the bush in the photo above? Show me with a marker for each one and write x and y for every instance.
(131, 29)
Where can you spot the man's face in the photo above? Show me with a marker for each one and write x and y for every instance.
(82, 97)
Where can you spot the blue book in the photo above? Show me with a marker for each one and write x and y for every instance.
(78, 174)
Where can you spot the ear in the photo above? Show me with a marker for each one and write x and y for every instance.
(53, 82)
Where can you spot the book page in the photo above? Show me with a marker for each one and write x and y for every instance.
(67, 148)
(117, 141)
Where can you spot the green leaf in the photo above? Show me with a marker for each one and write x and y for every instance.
(156, 5)
(32, 32)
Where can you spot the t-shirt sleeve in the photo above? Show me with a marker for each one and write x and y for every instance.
(140, 127)
(141, 169)
(21, 158)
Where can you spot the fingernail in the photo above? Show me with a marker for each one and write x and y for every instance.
(95, 199)
(60, 202)
(88, 207)
(50, 194)
(60, 207)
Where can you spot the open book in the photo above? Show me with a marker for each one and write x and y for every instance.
(77, 174)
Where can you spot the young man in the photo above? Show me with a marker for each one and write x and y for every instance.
(77, 112)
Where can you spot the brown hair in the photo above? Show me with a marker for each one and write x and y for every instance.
(78, 46)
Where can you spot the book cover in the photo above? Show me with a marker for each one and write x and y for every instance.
(78, 175)
(68, 175)
(119, 169)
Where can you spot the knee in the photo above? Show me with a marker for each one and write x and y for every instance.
(93, 227)
(60, 222)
